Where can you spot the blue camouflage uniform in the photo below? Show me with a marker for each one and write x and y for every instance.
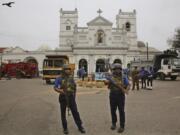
(117, 98)
(70, 102)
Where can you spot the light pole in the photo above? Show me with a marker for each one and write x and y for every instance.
(1, 65)
(147, 51)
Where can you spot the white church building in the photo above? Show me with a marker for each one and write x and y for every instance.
(90, 46)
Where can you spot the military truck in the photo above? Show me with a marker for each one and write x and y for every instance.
(19, 70)
(166, 66)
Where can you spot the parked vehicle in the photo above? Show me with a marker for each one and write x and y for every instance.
(53, 66)
(19, 70)
(166, 65)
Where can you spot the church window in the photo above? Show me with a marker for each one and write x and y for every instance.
(128, 26)
(68, 27)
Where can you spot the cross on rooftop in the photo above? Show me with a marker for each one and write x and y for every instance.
(99, 12)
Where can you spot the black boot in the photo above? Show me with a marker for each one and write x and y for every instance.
(82, 130)
(120, 130)
(113, 127)
(66, 131)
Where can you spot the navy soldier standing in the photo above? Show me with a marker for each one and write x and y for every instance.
(118, 87)
(135, 78)
(66, 86)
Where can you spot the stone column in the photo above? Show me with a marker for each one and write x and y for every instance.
(124, 61)
(76, 62)
(90, 64)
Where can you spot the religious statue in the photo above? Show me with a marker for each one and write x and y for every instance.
(100, 37)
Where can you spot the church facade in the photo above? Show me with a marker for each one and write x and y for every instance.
(90, 46)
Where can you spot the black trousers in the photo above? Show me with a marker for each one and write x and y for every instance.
(150, 81)
(143, 82)
(117, 100)
(73, 108)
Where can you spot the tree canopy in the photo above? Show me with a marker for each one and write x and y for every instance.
(176, 40)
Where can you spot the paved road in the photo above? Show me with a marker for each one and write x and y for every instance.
(29, 107)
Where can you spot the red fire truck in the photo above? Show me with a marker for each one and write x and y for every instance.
(19, 70)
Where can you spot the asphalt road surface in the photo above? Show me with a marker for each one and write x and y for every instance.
(30, 107)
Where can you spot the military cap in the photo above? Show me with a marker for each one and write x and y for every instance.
(116, 66)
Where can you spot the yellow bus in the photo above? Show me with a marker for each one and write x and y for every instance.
(52, 67)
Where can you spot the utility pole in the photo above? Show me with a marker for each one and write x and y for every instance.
(147, 51)
(1, 66)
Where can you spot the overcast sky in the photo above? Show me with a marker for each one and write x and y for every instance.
(32, 23)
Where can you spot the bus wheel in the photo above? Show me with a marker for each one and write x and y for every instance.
(173, 78)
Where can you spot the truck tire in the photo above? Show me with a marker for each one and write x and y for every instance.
(173, 78)
(154, 76)
(48, 81)
(162, 76)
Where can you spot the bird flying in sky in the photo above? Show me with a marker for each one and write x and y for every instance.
(8, 4)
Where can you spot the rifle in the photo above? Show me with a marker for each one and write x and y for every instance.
(68, 93)
(64, 87)
(109, 78)
(120, 86)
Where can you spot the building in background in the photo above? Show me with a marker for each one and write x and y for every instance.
(91, 46)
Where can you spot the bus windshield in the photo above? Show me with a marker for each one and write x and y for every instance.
(58, 63)
(48, 63)
(53, 63)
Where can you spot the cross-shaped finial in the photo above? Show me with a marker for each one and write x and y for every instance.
(99, 12)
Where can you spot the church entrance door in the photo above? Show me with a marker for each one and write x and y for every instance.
(100, 65)
(83, 63)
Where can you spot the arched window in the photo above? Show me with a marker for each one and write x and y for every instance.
(34, 67)
(117, 61)
(100, 36)
(100, 65)
(83, 63)
(128, 26)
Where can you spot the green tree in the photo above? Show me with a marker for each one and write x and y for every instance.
(176, 40)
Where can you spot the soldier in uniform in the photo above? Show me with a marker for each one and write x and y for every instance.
(118, 87)
(135, 78)
(142, 74)
(150, 78)
(65, 85)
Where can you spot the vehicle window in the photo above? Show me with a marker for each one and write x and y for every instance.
(58, 63)
(176, 61)
(166, 62)
(48, 63)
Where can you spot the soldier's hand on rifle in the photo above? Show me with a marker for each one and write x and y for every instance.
(59, 90)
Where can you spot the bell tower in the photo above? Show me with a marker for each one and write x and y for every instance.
(68, 23)
(127, 22)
